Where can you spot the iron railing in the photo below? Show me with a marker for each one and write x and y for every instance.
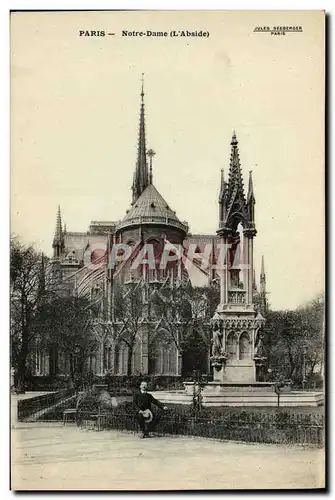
(28, 407)
(254, 428)
(280, 426)
(151, 219)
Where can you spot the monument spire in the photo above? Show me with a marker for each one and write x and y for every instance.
(141, 177)
(250, 188)
(235, 179)
(251, 199)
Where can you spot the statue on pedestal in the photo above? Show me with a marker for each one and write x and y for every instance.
(217, 341)
(259, 345)
(218, 357)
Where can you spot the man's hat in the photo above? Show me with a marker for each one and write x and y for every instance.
(147, 414)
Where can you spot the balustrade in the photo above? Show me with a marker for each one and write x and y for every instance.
(236, 297)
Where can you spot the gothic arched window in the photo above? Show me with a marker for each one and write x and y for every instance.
(231, 346)
(244, 346)
(163, 356)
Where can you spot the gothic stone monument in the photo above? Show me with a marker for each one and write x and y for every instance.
(237, 326)
(237, 336)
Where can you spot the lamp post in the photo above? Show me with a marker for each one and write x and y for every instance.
(304, 368)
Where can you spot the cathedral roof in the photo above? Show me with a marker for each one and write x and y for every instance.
(151, 208)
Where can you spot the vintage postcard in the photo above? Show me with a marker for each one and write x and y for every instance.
(167, 250)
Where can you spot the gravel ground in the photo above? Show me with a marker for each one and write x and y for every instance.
(53, 457)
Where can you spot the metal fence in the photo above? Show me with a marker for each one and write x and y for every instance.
(280, 425)
(278, 428)
(28, 407)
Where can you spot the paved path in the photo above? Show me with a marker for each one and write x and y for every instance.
(50, 456)
(29, 395)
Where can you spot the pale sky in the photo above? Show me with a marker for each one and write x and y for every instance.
(74, 125)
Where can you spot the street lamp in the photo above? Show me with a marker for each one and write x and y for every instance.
(304, 368)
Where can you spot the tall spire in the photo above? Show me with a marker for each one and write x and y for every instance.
(235, 180)
(262, 278)
(141, 178)
(58, 240)
(58, 230)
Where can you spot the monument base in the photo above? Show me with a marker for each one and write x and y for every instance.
(242, 394)
(215, 387)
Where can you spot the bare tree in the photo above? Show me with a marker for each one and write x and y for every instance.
(69, 325)
(182, 310)
(27, 291)
(294, 340)
(131, 311)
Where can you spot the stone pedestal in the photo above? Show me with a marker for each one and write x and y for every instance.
(239, 371)
(228, 388)
(238, 326)
(242, 394)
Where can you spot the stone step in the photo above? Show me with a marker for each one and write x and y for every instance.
(231, 398)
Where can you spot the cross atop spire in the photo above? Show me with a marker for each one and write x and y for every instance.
(142, 91)
(141, 176)
(233, 139)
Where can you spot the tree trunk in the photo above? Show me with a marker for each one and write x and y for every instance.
(71, 368)
(22, 361)
(129, 361)
(293, 367)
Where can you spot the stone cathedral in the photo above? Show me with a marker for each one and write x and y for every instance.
(150, 219)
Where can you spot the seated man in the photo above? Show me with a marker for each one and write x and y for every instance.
(143, 401)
